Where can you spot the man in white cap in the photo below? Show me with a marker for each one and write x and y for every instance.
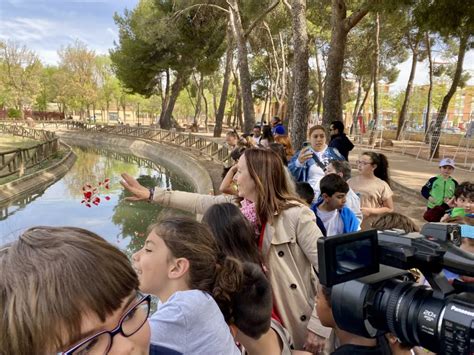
(439, 190)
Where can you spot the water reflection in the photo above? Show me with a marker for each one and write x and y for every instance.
(121, 223)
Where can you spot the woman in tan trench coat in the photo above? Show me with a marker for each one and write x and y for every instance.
(288, 237)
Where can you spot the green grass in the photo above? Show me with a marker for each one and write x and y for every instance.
(8, 142)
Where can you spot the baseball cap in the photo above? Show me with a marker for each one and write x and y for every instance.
(447, 161)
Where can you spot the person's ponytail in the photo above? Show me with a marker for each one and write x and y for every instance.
(244, 296)
(382, 168)
(252, 304)
(229, 278)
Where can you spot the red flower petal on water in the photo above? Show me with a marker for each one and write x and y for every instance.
(88, 194)
(97, 199)
(89, 186)
(83, 201)
(107, 198)
(100, 184)
(107, 180)
(107, 186)
(88, 205)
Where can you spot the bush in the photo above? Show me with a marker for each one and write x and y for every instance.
(13, 113)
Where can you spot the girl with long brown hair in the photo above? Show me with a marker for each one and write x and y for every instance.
(180, 263)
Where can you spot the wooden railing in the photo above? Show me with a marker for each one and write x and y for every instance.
(19, 160)
(200, 145)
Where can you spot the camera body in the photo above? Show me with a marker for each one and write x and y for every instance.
(373, 293)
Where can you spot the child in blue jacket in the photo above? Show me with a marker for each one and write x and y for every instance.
(332, 216)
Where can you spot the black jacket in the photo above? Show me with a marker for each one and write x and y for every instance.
(342, 144)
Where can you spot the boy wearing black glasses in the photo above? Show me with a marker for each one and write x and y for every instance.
(66, 290)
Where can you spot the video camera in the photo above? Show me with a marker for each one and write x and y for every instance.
(372, 292)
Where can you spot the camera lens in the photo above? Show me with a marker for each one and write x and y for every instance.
(442, 324)
(411, 312)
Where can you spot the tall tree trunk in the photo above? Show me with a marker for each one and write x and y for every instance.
(434, 149)
(244, 72)
(300, 73)
(239, 114)
(406, 100)
(206, 111)
(356, 106)
(165, 122)
(165, 95)
(376, 78)
(289, 112)
(320, 84)
(364, 100)
(238, 101)
(341, 25)
(430, 88)
(214, 103)
(197, 111)
(272, 87)
(138, 113)
(264, 107)
(225, 84)
(283, 79)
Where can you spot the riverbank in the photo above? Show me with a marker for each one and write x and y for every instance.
(176, 159)
(13, 190)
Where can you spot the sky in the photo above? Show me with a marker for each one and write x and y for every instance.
(46, 25)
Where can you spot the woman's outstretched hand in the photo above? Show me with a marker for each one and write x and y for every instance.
(140, 192)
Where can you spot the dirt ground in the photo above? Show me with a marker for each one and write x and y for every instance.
(410, 206)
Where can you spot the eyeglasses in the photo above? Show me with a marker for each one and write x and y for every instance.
(129, 324)
(361, 162)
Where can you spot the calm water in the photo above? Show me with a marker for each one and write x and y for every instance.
(122, 223)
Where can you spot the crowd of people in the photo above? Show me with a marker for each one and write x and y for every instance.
(243, 280)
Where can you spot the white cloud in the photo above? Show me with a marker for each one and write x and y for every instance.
(26, 29)
(45, 37)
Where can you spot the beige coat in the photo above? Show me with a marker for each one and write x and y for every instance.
(290, 247)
